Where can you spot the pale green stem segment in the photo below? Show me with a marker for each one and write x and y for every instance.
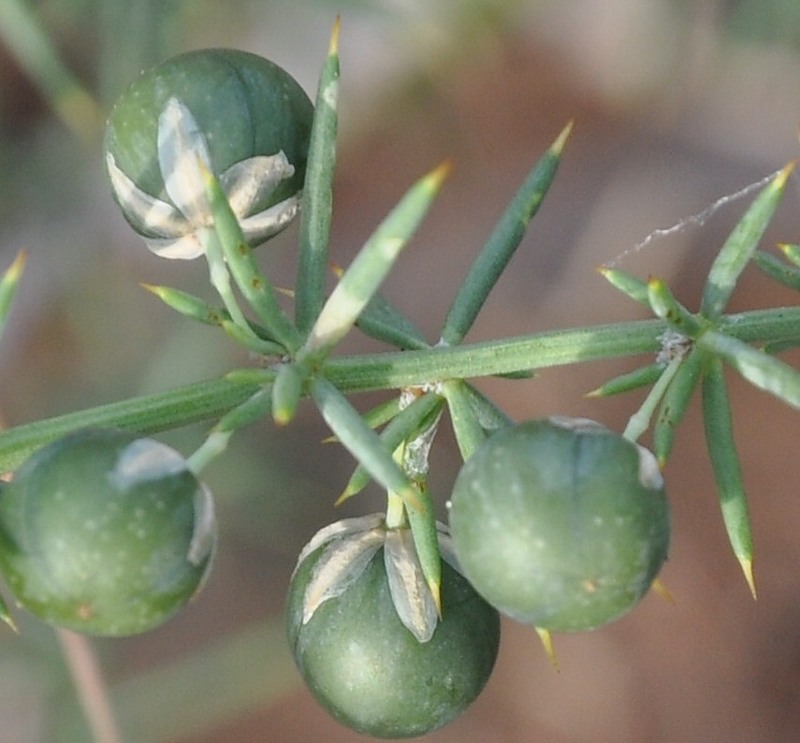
(727, 471)
(760, 369)
(23, 35)
(251, 410)
(630, 285)
(675, 403)
(784, 273)
(642, 377)
(206, 400)
(187, 304)
(196, 309)
(245, 335)
(502, 244)
(469, 432)
(404, 425)
(317, 204)
(361, 441)
(639, 422)
(665, 306)
(739, 247)
(8, 287)
(250, 280)
(286, 393)
(369, 268)
(219, 275)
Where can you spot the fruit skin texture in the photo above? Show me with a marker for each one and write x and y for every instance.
(370, 672)
(560, 523)
(245, 105)
(105, 533)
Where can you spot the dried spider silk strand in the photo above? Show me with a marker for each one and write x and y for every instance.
(693, 221)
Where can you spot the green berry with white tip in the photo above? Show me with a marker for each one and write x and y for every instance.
(105, 533)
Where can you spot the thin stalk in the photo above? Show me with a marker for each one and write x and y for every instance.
(90, 686)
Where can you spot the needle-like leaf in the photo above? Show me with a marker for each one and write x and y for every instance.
(317, 203)
(740, 245)
(727, 471)
(369, 268)
(502, 244)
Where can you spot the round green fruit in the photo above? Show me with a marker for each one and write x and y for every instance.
(371, 673)
(245, 106)
(105, 533)
(560, 523)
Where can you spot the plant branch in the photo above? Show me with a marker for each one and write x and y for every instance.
(391, 370)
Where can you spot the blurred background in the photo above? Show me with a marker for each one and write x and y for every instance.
(676, 103)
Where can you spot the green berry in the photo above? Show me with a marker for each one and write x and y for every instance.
(105, 533)
(244, 107)
(371, 673)
(560, 523)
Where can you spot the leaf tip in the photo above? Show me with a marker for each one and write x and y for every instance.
(437, 176)
(435, 586)
(783, 175)
(14, 271)
(747, 568)
(346, 494)
(547, 643)
(333, 47)
(662, 591)
(561, 141)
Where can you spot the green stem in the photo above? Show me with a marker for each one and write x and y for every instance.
(147, 414)
(528, 352)
(210, 399)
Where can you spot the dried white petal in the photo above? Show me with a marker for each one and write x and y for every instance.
(339, 529)
(181, 248)
(412, 598)
(250, 181)
(340, 564)
(649, 472)
(152, 214)
(579, 425)
(145, 460)
(182, 151)
(263, 225)
(205, 527)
